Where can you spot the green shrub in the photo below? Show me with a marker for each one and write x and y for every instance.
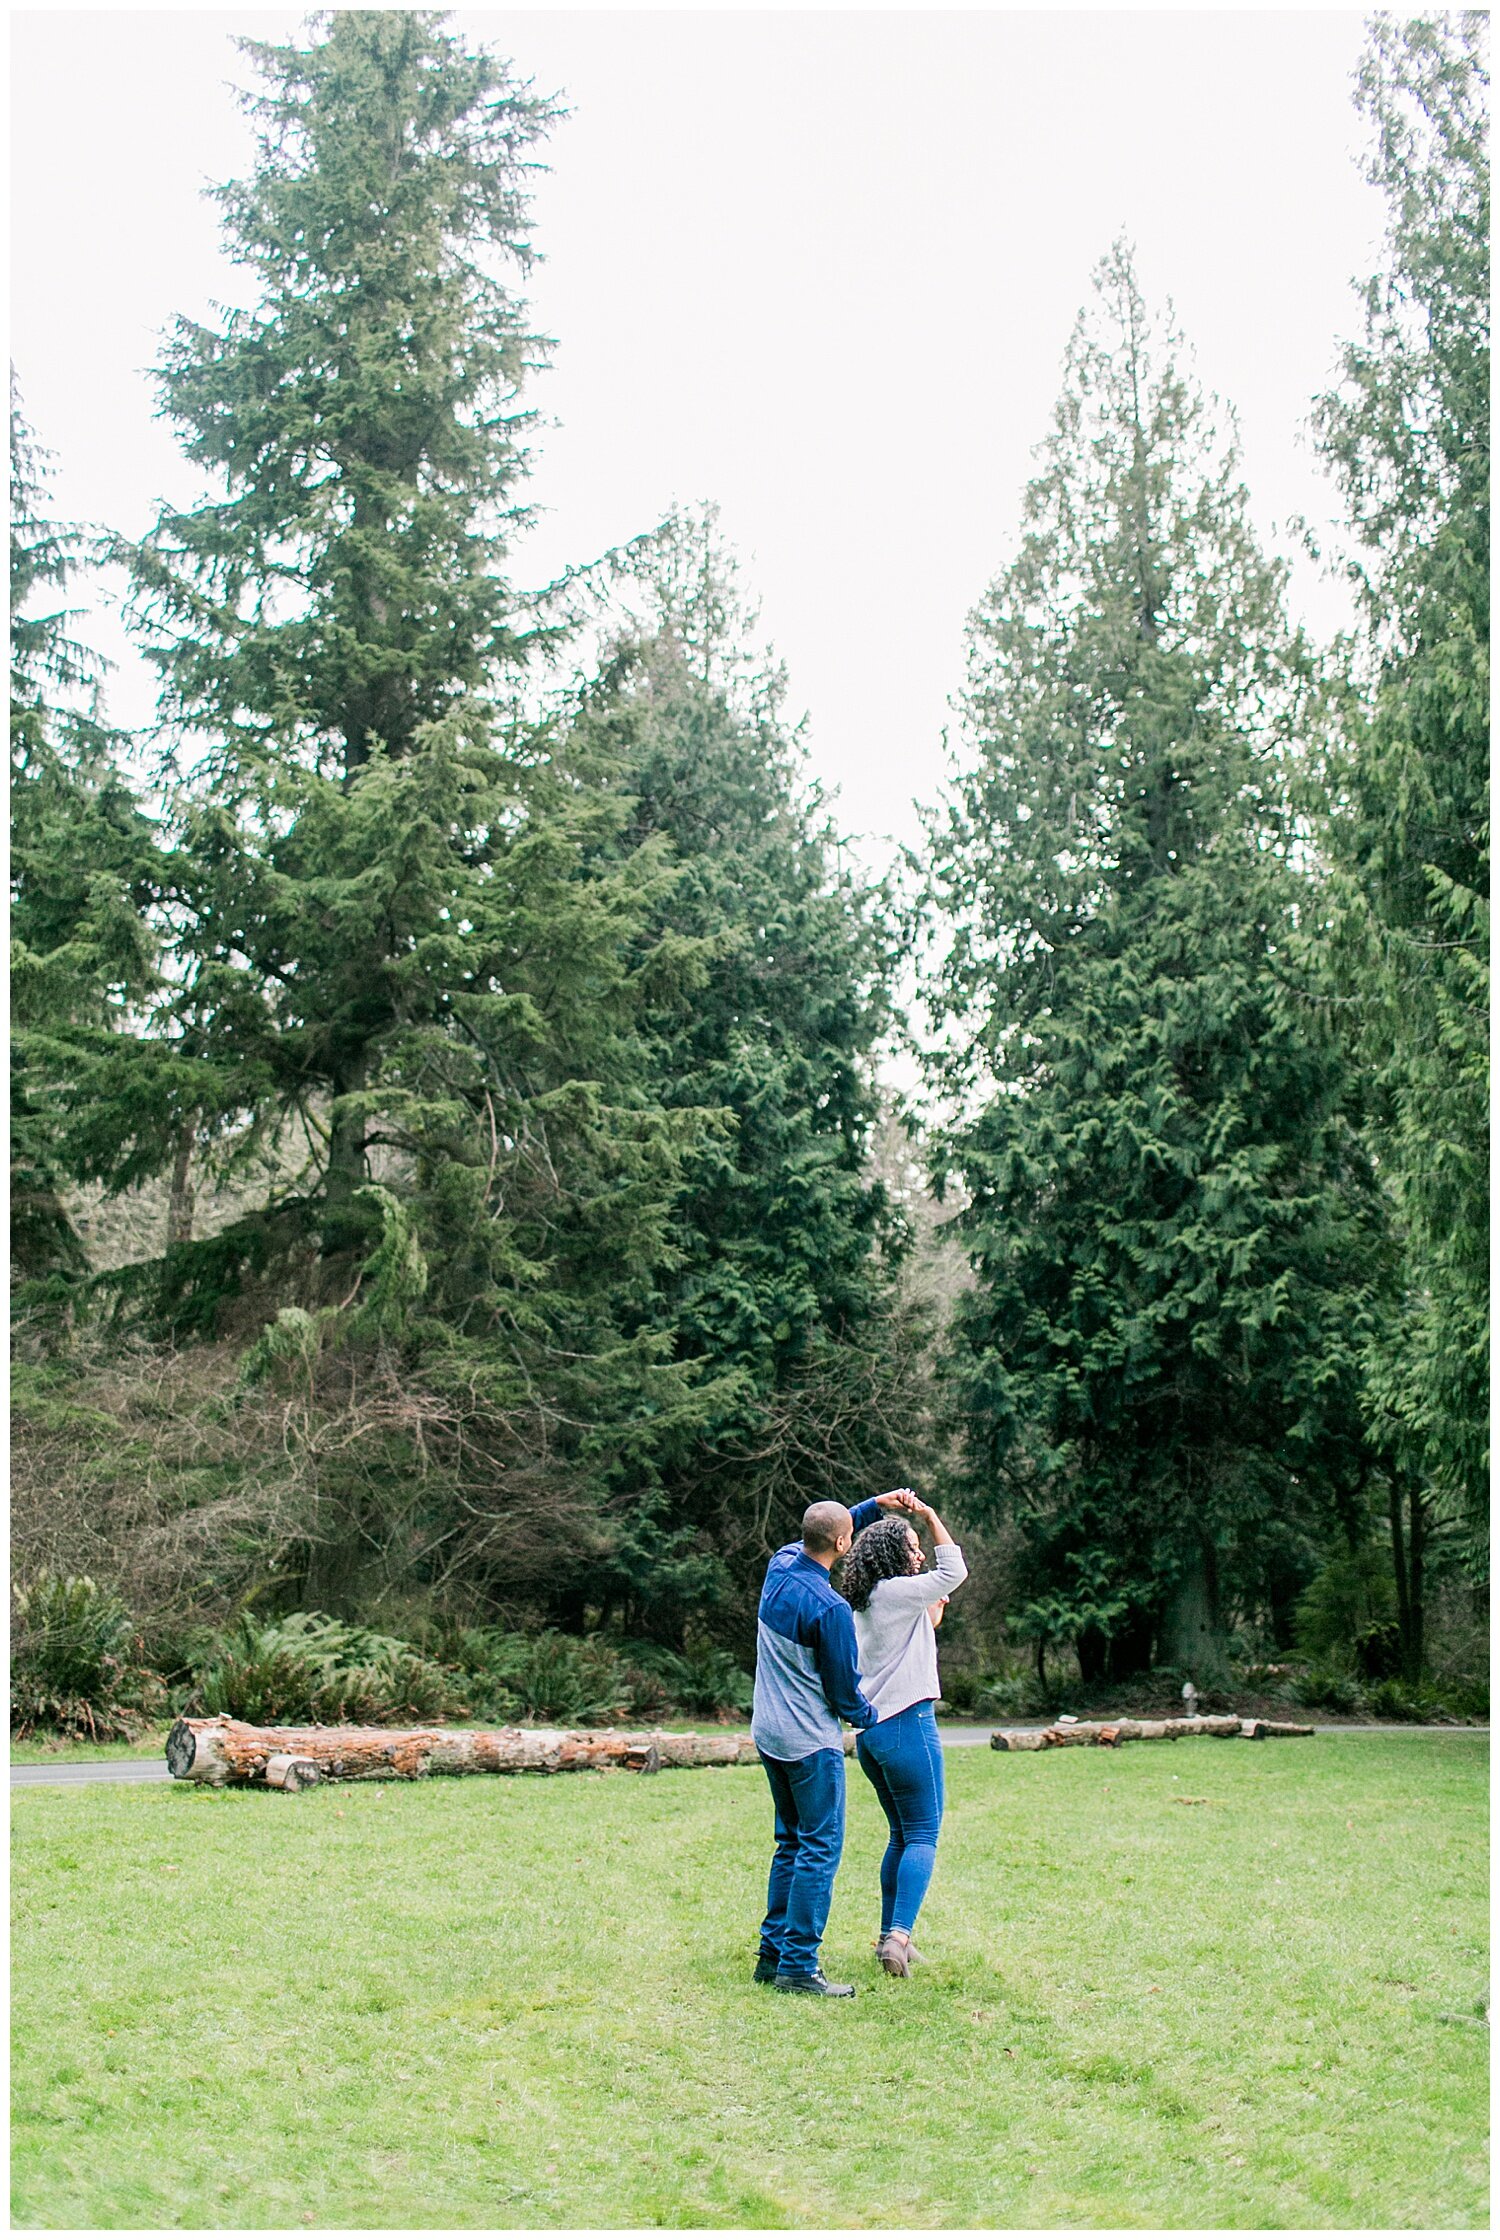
(567, 1681)
(72, 1667)
(573, 1680)
(1021, 1695)
(487, 1657)
(703, 1682)
(308, 1667)
(961, 1691)
(561, 1679)
(1377, 1651)
(1352, 1598)
(1397, 1699)
(649, 1694)
(1392, 1699)
(1318, 1690)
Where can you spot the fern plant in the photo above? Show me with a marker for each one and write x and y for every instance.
(308, 1667)
(71, 1663)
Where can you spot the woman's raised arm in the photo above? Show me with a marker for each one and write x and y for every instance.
(941, 1536)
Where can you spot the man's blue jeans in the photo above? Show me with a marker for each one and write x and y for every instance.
(809, 1797)
(904, 1760)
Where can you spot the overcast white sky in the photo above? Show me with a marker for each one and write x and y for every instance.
(820, 266)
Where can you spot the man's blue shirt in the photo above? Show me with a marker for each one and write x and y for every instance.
(806, 1665)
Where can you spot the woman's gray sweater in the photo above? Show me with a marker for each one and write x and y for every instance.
(897, 1639)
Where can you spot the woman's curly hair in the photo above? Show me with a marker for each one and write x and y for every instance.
(882, 1551)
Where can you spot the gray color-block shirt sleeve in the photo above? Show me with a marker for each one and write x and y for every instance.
(924, 1588)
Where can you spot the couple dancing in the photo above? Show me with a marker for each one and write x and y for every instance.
(870, 1659)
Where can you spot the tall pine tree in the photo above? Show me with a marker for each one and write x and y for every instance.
(784, 1284)
(1166, 1209)
(333, 616)
(1407, 436)
(404, 923)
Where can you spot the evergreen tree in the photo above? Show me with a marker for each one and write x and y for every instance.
(786, 1251)
(336, 613)
(405, 923)
(1166, 1208)
(1407, 436)
(83, 876)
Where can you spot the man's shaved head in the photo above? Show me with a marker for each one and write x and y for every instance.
(824, 1526)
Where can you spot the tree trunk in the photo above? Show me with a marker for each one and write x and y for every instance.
(182, 1196)
(1192, 1629)
(1398, 1565)
(1130, 1646)
(1407, 1551)
(1416, 1549)
(227, 1751)
(346, 1225)
(1092, 1647)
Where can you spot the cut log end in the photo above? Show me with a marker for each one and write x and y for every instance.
(284, 1771)
(182, 1748)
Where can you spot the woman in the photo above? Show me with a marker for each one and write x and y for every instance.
(897, 1609)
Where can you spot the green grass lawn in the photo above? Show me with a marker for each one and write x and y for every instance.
(53, 1751)
(526, 2002)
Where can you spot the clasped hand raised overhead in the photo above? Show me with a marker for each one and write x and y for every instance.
(903, 1499)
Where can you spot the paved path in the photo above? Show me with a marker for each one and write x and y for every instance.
(75, 1774)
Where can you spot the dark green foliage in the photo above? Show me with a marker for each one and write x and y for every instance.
(1406, 435)
(1351, 1600)
(547, 1675)
(308, 1667)
(389, 930)
(782, 1000)
(70, 1632)
(573, 1680)
(75, 1666)
(1090, 1608)
(407, 921)
(781, 1288)
(1172, 1223)
(704, 1682)
(584, 1291)
(363, 415)
(84, 873)
(1320, 1690)
(311, 1667)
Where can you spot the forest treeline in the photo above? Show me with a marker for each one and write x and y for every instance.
(455, 1212)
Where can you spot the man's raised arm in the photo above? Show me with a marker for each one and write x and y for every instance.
(867, 1512)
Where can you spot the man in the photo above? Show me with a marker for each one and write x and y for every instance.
(806, 1680)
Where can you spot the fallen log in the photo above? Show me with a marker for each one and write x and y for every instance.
(225, 1752)
(1110, 1733)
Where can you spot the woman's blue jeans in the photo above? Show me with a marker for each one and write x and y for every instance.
(904, 1760)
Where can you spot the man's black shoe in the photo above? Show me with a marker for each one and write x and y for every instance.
(816, 1986)
(765, 1968)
